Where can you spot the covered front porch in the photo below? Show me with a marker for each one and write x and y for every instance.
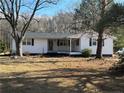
(70, 46)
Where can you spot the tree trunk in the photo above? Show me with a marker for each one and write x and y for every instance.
(19, 49)
(99, 45)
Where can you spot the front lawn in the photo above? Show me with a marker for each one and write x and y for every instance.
(58, 75)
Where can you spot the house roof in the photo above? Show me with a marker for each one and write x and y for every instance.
(61, 35)
(51, 35)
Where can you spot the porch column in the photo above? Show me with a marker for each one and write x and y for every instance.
(70, 45)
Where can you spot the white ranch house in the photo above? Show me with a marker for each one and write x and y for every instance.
(65, 43)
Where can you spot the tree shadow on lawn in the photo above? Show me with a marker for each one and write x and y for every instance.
(31, 62)
(63, 81)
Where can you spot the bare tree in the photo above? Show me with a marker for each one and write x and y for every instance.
(91, 14)
(62, 22)
(100, 16)
(14, 10)
(39, 24)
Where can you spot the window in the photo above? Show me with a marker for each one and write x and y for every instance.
(77, 42)
(24, 42)
(62, 43)
(92, 42)
(28, 42)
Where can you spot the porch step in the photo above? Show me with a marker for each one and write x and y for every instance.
(64, 53)
(75, 53)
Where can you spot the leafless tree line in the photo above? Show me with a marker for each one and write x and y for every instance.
(63, 22)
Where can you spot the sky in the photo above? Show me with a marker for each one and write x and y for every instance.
(120, 1)
(63, 6)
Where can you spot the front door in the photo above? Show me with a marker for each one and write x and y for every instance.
(50, 45)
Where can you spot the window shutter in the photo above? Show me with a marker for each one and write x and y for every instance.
(32, 42)
(58, 43)
(103, 42)
(90, 42)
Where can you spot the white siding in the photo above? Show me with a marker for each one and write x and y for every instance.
(107, 48)
(40, 46)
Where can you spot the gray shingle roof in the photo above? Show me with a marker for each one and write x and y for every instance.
(51, 35)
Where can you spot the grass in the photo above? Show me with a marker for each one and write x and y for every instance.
(58, 75)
